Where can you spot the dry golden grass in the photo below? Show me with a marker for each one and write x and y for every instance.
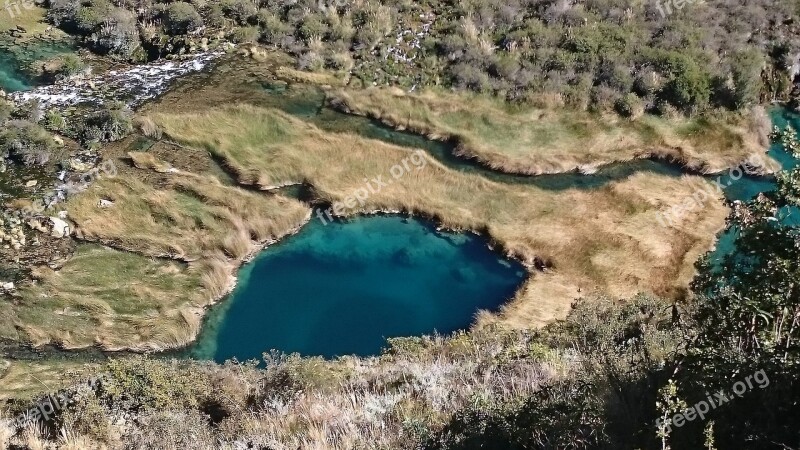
(192, 216)
(554, 140)
(606, 240)
(320, 78)
(181, 243)
(22, 13)
(144, 160)
(26, 379)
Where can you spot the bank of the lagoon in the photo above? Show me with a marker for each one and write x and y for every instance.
(343, 288)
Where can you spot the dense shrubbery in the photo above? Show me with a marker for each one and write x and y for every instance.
(580, 54)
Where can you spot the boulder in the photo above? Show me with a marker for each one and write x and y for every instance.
(60, 228)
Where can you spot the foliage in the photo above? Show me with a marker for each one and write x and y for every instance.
(181, 18)
(109, 124)
(597, 51)
(142, 383)
(747, 320)
(28, 143)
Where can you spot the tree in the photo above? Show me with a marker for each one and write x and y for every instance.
(747, 66)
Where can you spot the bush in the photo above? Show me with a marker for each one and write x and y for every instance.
(119, 35)
(55, 121)
(629, 105)
(181, 18)
(245, 35)
(28, 143)
(91, 15)
(239, 10)
(151, 385)
(108, 125)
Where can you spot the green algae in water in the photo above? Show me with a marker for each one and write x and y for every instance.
(344, 288)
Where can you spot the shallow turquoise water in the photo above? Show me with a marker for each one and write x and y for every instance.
(747, 188)
(344, 288)
(14, 57)
(11, 79)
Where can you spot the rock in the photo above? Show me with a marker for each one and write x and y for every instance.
(31, 183)
(78, 166)
(60, 228)
(7, 286)
(105, 203)
(36, 225)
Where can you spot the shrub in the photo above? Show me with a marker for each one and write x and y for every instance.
(118, 35)
(28, 143)
(181, 18)
(629, 105)
(90, 15)
(245, 35)
(143, 383)
(108, 125)
(55, 121)
(239, 10)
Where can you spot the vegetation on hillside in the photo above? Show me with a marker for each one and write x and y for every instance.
(618, 55)
(612, 374)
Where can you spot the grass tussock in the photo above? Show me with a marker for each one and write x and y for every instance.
(541, 140)
(148, 128)
(191, 216)
(104, 296)
(144, 160)
(607, 239)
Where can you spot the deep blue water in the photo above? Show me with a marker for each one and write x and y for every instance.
(344, 288)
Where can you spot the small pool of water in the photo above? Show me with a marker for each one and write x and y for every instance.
(14, 57)
(343, 288)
